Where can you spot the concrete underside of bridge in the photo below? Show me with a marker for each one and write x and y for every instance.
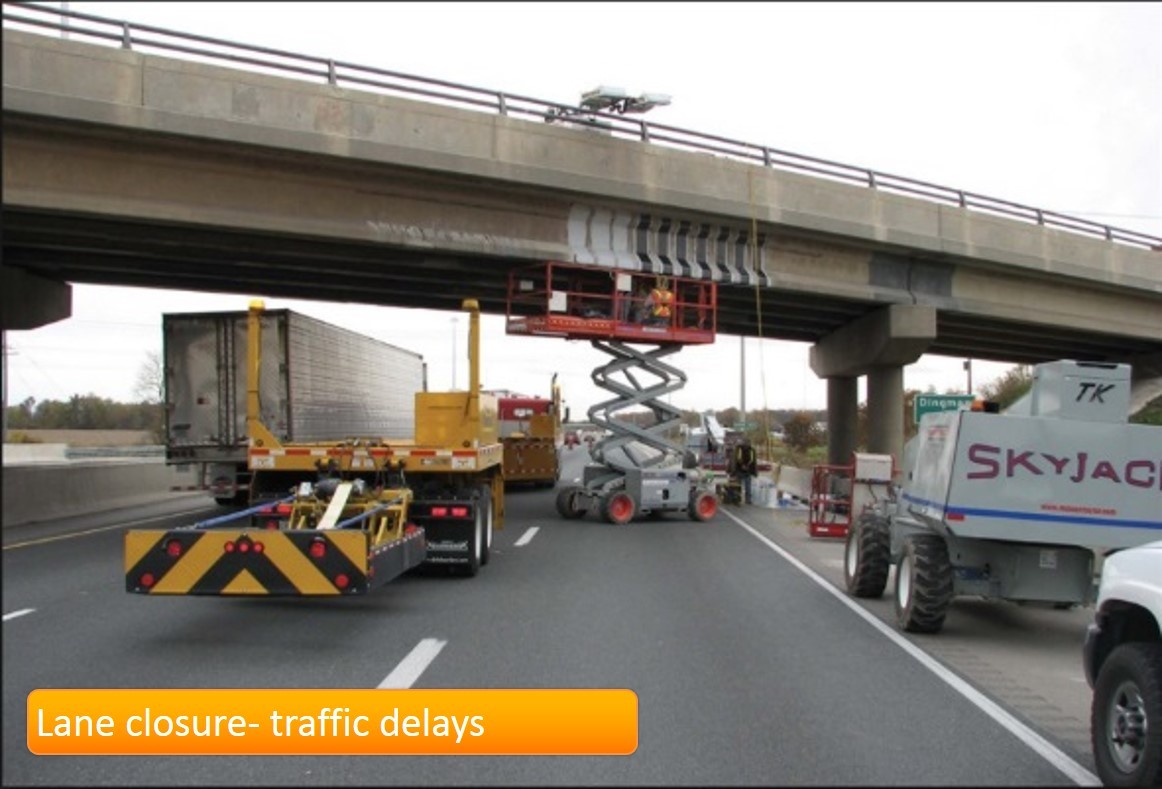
(130, 169)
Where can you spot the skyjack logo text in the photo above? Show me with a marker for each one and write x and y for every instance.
(990, 462)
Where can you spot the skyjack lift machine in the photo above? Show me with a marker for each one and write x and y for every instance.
(636, 470)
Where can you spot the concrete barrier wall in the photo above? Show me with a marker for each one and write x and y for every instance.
(18, 454)
(40, 491)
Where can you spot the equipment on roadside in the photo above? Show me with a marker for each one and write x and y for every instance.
(839, 491)
(343, 516)
(636, 468)
(1012, 506)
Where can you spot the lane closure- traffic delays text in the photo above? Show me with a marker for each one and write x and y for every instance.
(344, 721)
(329, 722)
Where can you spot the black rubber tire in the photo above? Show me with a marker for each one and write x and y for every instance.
(475, 546)
(1130, 679)
(867, 556)
(618, 507)
(703, 505)
(485, 502)
(568, 503)
(923, 584)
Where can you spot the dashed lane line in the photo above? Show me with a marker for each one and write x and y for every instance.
(527, 537)
(16, 614)
(405, 674)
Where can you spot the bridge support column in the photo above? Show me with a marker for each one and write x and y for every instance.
(878, 345)
(842, 419)
(885, 411)
(31, 301)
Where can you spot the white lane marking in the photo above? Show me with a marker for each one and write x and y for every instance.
(15, 614)
(527, 537)
(1076, 773)
(409, 669)
(70, 535)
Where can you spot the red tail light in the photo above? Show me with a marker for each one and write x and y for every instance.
(229, 546)
(318, 549)
(259, 547)
(283, 509)
(271, 525)
(173, 548)
(243, 546)
(147, 580)
(439, 512)
(342, 581)
(459, 512)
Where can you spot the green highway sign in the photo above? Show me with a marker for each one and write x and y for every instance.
(928, 403)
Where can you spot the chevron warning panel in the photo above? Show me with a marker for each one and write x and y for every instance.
(263, 562)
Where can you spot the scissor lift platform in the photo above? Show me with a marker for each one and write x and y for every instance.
(578, 302)
(614, 310)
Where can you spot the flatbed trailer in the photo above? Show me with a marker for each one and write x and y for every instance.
(346, 516)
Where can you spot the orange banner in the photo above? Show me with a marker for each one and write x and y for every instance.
(332, 722)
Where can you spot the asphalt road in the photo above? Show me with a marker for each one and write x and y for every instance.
(749, 668)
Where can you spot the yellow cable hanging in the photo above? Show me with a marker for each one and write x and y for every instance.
(754, 246)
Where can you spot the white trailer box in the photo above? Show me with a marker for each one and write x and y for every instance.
(319, 382)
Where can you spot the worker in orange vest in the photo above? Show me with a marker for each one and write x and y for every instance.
(660, 302)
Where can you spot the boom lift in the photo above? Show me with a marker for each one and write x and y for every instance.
(1011, 506)
(342, 517)
(635, 469)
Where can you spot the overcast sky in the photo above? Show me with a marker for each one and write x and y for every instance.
(1052, 105)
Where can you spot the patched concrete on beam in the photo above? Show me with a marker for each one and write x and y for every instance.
(31, 301)
(896, 335)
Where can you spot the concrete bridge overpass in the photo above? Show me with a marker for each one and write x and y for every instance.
(122, 167)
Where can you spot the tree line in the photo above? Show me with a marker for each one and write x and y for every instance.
(85, 412)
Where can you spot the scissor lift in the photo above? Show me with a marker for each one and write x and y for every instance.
(636, 469)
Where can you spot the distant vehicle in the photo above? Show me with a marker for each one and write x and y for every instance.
(572, 439)
(1123, 665)
(530, 429)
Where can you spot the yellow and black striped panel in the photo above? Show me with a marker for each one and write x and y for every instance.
(247, 562)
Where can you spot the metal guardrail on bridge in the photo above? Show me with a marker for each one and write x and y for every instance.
(147, 38)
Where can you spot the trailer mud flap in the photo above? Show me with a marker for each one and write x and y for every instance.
(263, 562)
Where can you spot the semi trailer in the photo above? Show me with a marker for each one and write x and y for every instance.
(318, 381)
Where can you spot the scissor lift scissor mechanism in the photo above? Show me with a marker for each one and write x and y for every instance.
(636, 468)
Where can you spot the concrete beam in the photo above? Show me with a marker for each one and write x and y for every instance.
(894, 336)
(31, 301)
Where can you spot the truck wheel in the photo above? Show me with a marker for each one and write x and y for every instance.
(484, 502)
(476, 546)
(569, 502)
(867, 556)
(923, 584)
(1126, 716)
(618, 507)
(703, 506)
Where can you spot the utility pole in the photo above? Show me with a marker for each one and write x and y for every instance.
(968, 369)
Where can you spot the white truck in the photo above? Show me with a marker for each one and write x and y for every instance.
(1123, 664)
(1012, 506)
(318, 381)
